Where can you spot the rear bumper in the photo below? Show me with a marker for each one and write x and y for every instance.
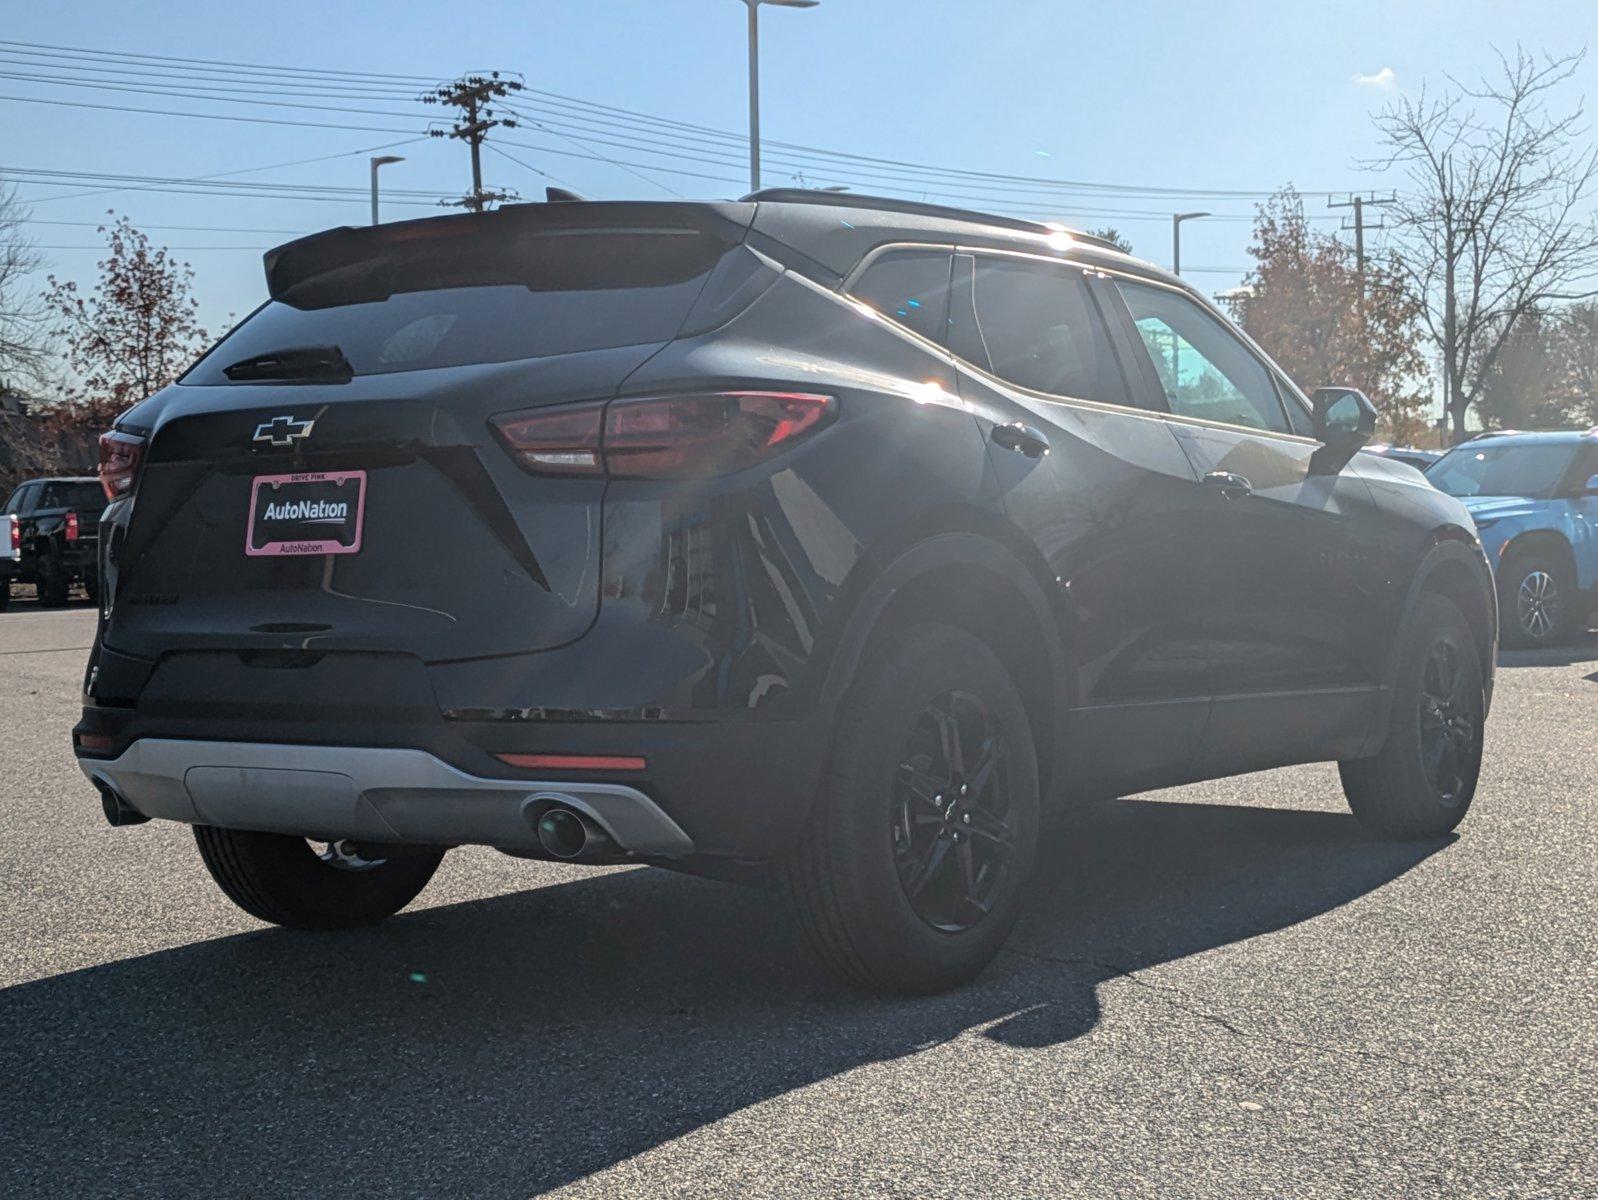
(377, 794)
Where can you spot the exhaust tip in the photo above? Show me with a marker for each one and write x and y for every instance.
(562, 832)
(118, 811)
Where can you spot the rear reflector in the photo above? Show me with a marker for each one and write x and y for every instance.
(94, 741)
(573, 762)
(693, 436)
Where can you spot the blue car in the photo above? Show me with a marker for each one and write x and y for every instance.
(1534, 497)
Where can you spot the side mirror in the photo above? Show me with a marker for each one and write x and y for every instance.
(1344, 421)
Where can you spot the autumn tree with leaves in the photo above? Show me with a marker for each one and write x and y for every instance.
(133, 334)
(1304, 304)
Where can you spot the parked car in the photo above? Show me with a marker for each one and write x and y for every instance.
(54, 535)
(825, 541)
(1534, 498)
(1413, 455)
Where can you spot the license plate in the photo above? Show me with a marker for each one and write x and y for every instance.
(315, 513)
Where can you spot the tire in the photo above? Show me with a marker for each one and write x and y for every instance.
(1537, 600)
(54, 581)
(1422, 783)
(284, 881)
(872, 837)
(5, 594)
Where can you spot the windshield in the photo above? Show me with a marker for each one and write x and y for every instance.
(1531, 469)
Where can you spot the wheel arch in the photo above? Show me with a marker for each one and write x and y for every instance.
(976, 581)
(1532, 540)
(1453, 566)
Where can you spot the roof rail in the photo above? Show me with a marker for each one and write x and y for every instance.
(921, 209)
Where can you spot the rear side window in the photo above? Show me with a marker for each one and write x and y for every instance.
(19, 498)
(1036, 325)
(536, 294)
(911, 287)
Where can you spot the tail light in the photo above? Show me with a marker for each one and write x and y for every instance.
(120, 456)
(72, 527)
(692, 436)
(16, 533)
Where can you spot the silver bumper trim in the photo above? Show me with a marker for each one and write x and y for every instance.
(374, 793)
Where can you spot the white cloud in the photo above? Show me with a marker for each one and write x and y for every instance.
(1384, 80)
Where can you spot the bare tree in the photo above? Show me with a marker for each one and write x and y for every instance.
(1496, 221)
(23, 327)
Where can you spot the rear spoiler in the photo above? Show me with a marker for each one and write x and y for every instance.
(295, 263)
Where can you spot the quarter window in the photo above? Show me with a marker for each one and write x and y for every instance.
(1036, 325)
(911, 287)
(1205, 370)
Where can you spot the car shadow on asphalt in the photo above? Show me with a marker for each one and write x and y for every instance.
(506, 1046)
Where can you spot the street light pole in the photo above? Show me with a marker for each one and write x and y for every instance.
(754, 79)
(381, 160)
(1176, 238)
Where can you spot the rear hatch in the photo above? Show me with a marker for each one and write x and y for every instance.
(326, 477)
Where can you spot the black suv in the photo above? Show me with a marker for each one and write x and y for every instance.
(820, 540)
(49, 537)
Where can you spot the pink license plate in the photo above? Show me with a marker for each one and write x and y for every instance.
(313, 513)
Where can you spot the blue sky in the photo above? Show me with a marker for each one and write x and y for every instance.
(1228, 96)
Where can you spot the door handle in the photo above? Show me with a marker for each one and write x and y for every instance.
(1229, 484)
(1023, 439)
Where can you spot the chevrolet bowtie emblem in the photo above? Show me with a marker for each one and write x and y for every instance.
(283, 431)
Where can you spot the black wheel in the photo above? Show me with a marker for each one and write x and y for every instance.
(1422, 782)
(913, 867)
(5, 594)
(1537, 601)
(54, 581)
(304, 885)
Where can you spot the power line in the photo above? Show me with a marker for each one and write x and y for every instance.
(701, 137)
(414, 80)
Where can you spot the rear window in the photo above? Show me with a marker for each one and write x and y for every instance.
(72, 495)
(484, 300)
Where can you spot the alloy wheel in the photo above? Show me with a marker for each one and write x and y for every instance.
(1449, 730)
(950, 813)
(1537, 604)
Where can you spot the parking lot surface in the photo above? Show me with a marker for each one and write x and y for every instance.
(1219, 990)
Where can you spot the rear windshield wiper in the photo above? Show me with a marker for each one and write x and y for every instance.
(294, 362)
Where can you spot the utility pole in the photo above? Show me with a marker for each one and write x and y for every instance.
(473, 95)
(1358, 203)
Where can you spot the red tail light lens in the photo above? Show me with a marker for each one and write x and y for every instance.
(670, 437)
(16, 532)
(555, 441)
(120, 456)
(72, 527)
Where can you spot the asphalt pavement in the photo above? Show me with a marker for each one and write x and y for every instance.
(1219, 990)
